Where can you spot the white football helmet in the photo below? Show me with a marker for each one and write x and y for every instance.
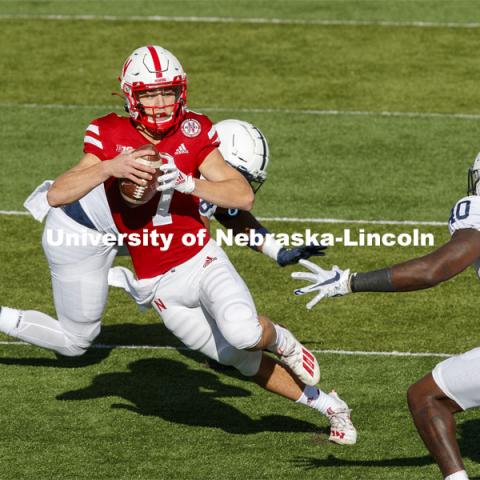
(245, 148)
(150, 68)
(474, 177)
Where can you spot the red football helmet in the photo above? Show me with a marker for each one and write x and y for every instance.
(153, 68)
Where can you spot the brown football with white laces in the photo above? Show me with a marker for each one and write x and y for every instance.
(140, 194)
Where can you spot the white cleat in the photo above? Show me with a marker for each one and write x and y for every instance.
(300, 360)
(342, 430)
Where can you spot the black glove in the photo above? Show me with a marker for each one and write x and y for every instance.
(290, 256)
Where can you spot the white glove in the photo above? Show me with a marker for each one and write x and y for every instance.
(173, 178)
(329, 283)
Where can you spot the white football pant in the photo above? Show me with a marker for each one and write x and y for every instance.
(205, 303)
(79, 281)
(459, 378)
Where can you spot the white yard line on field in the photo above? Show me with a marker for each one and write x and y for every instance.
(13, 212)
(314, 112)
(309, 220)
(103, 346)
(240, 20)
(342, 220)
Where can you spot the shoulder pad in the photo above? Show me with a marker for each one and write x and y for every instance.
(465, 214)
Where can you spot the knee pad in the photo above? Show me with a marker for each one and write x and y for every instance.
(247, 363)
(224, 294)
(238, 322)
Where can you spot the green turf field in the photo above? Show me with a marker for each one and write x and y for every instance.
(324, 95)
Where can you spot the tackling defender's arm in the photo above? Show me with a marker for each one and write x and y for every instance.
(240, 222)
(244, 222)
(449, 260)
(76, 182)
(423, 272)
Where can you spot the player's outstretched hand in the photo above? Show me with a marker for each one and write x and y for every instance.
(328, 283)
(174, 178)
(126, 166)
(290, 256)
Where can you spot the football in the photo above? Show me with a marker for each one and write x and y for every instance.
(135, 194)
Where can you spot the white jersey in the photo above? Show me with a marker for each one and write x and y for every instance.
(466, 214)
(94, 204)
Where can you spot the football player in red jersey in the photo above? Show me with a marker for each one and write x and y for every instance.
(187, 278)
(245, 148)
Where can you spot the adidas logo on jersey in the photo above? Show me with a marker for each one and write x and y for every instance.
(182, 149)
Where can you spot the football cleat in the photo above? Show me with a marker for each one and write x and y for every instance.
(342, 430)
(299, 359)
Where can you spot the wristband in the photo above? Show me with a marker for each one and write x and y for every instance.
(270, 248)
(376, 281)
(262, 231)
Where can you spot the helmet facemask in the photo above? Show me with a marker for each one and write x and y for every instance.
(473, 179)
(255, 181)
(148, 69)
(154, 118)
(473, 186)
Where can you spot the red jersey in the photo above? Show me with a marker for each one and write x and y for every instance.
(164, 215)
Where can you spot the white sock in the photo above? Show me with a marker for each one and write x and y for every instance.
(9, 320)
(38, 329)
(315, 398)
(460, 475)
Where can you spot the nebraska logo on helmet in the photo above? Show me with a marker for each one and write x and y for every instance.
(191, 127)
(152, 68)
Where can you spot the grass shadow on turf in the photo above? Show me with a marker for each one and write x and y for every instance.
(126, 333)
(90, 357)
(137, 334)
(469, 436)
(176, 393)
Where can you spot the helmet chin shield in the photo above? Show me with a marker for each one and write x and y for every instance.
(153, 68)
(473, 186)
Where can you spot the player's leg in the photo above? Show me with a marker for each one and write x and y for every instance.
(194, 327)
(225, 296)
(197, 329)
(277, 378)
(79, 282)
(432, 412)
(453, 386)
